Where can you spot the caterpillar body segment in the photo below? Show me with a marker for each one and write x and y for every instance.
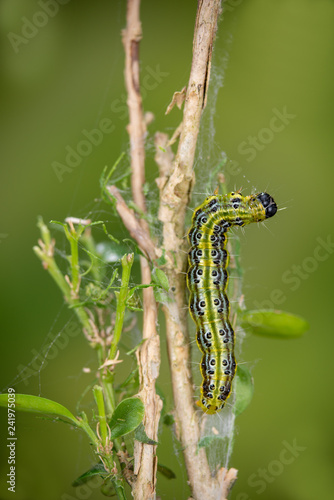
(207, 279)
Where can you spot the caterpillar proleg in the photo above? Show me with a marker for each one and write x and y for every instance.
(207, 279)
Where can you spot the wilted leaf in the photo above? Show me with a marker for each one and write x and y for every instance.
(141, 435)
(178, 99)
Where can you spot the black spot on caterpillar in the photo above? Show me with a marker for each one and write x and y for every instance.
(207, 282)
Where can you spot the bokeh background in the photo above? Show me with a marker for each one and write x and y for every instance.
(64, 77)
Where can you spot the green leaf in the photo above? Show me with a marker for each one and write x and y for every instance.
(96, 470)
(244, 389)
(58, 222)
(160, 278)
(165, 471)
(126, 417)
(35, 404)
(137, 287)
(130, 384)
(161, 261)
(161, 296)
(106, 177)
(132, 351)
(111, 237)
(274, 323)
(146, 188)
(141, 435)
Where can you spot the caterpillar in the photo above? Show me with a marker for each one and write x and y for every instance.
(207, 279)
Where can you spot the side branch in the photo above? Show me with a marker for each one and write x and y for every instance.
(131, 37)
(133, 225)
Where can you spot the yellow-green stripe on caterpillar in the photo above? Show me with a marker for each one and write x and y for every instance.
(207, 281)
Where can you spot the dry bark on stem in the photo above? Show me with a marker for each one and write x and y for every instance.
(149, 354)
(176, 193)
(175, 184)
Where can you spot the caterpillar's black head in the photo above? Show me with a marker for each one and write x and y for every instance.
(268, 203)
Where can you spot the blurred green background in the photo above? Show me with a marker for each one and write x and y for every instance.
(66, 76)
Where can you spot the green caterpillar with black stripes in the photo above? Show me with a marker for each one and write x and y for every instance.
(207, 279)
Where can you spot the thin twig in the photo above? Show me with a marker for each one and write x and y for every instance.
(133, 224)
(148, 355)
